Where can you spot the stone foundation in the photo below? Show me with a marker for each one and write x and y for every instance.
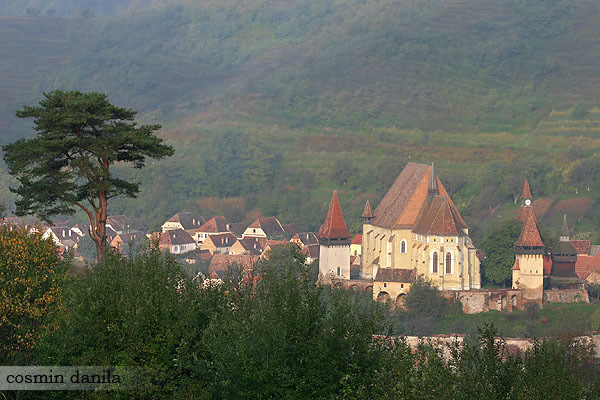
(566, 296)
(476, 301)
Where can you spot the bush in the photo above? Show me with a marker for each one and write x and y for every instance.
(30, 290)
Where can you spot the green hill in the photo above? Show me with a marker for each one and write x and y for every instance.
(277, 102)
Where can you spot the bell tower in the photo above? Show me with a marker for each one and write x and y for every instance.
(528, 272)
(334, 244)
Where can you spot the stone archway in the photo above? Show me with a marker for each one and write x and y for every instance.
(400, 300)
(504, 303)
(383, 296)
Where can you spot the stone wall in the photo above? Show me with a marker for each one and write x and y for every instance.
(566, 296)
(513, 345)
(476, 301)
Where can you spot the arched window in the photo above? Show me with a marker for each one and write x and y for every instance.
(448, 263)
(403, 246)
(434, 263)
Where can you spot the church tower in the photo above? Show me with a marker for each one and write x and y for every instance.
(528, 271)
(564, 256)
(334, 241)
(526, 203)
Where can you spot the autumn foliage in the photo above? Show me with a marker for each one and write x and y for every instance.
(29, 290)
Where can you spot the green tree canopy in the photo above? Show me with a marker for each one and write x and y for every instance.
(67, 165)
(499, 251)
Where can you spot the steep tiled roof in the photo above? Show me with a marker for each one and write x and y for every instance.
(395, 275)
(334, 226)
(526, 194)
(117, 222)
(530, 235)
(270, 226)
(367, 213)
(582, 246)
(254, 245)
(226, 239)
(306, 238)
(437, 219)
(175, 237)
(290, 230)
(404, 201)
(524, 212)
(357, 239)
(222, 262)
(585, 264)
(188, 220)
(214, 225)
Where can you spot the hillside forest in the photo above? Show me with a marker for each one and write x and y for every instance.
(271, 104)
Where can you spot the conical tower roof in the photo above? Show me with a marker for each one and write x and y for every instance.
(530, 235)
(367, 213)
(526, 191)
(334, 226)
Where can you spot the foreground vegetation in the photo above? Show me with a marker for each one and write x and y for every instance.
(280, 336)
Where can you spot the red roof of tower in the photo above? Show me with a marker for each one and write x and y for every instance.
(367, 213)
(526, 191)
(530, 235)
(334, 226)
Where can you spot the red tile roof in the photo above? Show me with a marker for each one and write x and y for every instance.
(585, 265)
(222, 262)
(270, 226)
(357, 239)
(437, 219)
(524, 212)
(526, 191)
(530, 235)
(582, 246)
(395, 275)
(547, 265)
(402, 205)
(216, 224)
(334, 226)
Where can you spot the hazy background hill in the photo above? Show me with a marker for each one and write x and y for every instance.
(272, 104)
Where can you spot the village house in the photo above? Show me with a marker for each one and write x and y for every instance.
(176, 241)
(356, 245)
(248, 245)
(185, 221)
(62, 236)
(221, 264)
(118, 223)
(219, 243)
(270, 228)
(122, 241)
(213, 226)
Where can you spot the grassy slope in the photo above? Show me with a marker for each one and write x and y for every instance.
(464, 84)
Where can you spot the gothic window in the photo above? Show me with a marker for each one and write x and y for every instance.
(339, 271)
(448, 263)
(403, 246)
(434, 263)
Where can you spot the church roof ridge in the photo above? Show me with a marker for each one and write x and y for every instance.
(334, 226)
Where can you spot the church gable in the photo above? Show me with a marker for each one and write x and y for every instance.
(437, 219)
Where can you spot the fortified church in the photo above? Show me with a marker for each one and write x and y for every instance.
(417, 231)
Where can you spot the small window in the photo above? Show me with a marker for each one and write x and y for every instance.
(339, 271)
(434, 263)
(385, 285)
(403, 246)
(355, 252)
(253, 230)
(402, 285)
(448, 263)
